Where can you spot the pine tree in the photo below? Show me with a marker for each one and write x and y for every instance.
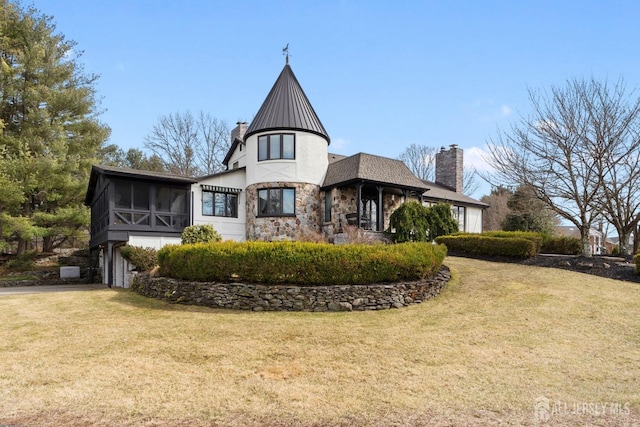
(49, 125)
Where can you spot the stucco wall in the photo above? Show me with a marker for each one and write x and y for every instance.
(228, 228)
(310, 164)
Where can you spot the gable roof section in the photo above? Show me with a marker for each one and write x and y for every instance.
(374, 169)
(97, 170)
(443, 193)
(232, 149)
(286, 108)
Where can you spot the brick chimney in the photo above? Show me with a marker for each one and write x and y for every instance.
(239, 131)
(449, 171)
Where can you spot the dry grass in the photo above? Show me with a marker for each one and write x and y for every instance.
(498, 337)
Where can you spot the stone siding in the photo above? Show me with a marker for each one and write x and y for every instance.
(449, 168)
(306, 221)
(344, 202)
(241, 296)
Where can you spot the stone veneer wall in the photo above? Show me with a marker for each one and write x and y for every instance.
(306, 221)
(342, 204)
(240, 296)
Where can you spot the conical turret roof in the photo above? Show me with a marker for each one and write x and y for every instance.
(286, 108)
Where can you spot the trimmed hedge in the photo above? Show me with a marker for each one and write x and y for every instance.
(299, 263)
(561, 245)
(478, 244)
(535, 237)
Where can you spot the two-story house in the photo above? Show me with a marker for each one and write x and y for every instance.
(281, 182)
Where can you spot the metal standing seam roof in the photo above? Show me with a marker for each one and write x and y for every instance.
(287, 108)
(368, 167)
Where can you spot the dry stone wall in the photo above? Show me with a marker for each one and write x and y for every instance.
(242, 296)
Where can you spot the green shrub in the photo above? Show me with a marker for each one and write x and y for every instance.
(200, 234)
(300, 263)
(22, 262)
(561, 245)
(615, 251)
(636, 260)
(478, 244)
(414, 222)
(535, 237)
(145, 259)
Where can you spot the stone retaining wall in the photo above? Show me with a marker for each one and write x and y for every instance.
(241, 296)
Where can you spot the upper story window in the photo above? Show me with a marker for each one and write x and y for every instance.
(141, 204)
(277, 202)
(276, 146)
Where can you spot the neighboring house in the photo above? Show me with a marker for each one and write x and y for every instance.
(595, 237)
(281, 182)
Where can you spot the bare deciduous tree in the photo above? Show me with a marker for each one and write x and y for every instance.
(495, 214)
(188, 145)
(420, 159)
(469, 182)
(620, 171)
(575, 136)
(214, 143)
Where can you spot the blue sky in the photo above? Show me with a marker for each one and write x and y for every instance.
(381, 75)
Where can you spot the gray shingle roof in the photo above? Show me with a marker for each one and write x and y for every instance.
(439, 192)
(374, 169)
(286, 108)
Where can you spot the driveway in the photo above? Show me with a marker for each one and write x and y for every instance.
(15, 290)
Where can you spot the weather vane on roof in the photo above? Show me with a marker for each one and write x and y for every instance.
(285, 51)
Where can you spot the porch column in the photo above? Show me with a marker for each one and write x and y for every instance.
(109, 264)
(379, 210)
(358, 204)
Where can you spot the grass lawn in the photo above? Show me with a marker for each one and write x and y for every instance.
(499, 337)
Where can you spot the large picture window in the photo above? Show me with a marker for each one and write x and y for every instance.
(277, 202)
(276, 146)
(219, 204)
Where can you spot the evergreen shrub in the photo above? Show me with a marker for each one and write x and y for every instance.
(561, 245)
(535, 237)
(478, 244)
(413, 222)
(301, 263)
(204, 233)
(145, 259)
